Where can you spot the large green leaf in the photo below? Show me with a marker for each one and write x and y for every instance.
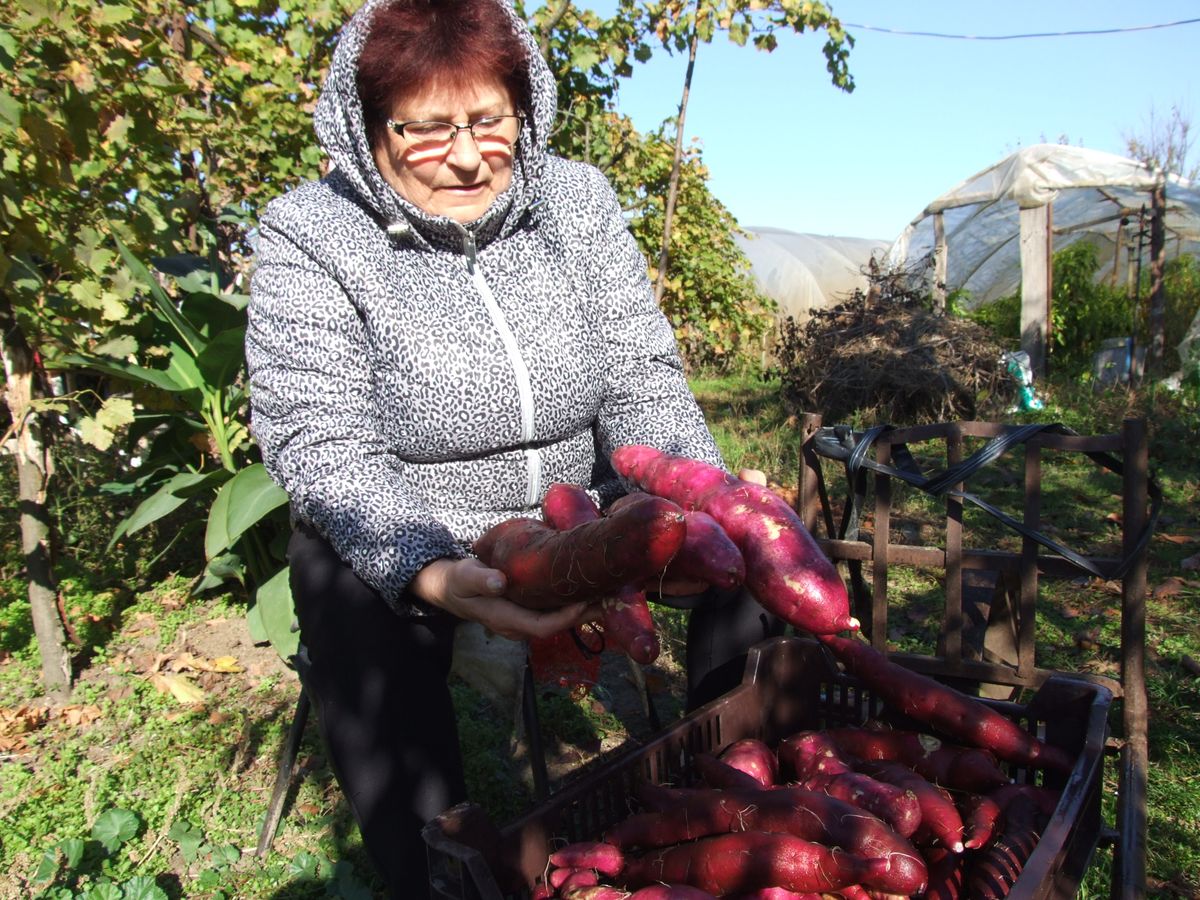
(244, 500)
(175, 492)
(162, 300)
(221, 361)
(275, 612)
(126, 371)
(114, 827)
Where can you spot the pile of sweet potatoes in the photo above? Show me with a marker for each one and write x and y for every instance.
(855, 812)
(773, 823)
(685, 520)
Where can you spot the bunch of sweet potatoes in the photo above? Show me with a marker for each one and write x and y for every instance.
(763, 822)
(684, 520)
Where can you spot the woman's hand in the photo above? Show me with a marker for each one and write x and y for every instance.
(468, 589)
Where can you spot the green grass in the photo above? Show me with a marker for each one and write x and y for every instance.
(196, 779)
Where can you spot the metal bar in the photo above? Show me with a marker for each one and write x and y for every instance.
(1027, 617)
(533, 734)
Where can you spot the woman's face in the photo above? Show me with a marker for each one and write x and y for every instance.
(459, 180)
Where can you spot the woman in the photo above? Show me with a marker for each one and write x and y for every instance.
(442, 327)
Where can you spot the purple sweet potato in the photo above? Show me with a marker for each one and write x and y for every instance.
(682, 814)
(939, 815)
(604, 858)
(980, 815)
(959, 768)
(818, 765)
(944, 709)
(785, 568)
(751, 861)
(754, 758)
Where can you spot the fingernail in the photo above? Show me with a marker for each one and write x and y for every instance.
(494, 583)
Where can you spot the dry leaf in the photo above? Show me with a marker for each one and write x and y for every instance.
(1177, 538)
(227, 665)
(1170, 587)
(22, 720)
(178, 686)
(78, 715)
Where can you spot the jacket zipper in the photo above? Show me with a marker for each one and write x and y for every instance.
(533, 459)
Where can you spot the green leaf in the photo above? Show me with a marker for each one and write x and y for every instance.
(72, 849)
(111, 14)
(274, 602)
(226, 855)
(114, 827)
(221, 361)
(188, 836)
(216, 534)
(251, 495)
(122, 370)
(10, 109)
(47, 866)
(173, 494)
(106, 890)
(256, 626)
(143, 887)
(303, 867)
(165, 305)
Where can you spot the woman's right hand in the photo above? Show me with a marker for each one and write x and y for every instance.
(468, 589)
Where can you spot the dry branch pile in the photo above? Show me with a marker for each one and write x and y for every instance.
(886, 356)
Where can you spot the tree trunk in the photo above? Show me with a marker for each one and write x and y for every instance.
(664, 254)
(34, 468)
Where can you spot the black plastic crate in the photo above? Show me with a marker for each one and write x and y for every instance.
(790, 684)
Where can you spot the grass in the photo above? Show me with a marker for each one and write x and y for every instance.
(130, 789)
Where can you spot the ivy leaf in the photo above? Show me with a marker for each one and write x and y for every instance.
(106, 890)
(115, 827)
(143, 887)
(188, 836)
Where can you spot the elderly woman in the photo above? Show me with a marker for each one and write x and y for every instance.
(442, 327)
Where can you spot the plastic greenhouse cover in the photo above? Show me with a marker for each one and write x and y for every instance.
(1090, 191)
(801, 272)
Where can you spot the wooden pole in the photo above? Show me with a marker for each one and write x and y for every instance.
(939, 263)
(1035, 282)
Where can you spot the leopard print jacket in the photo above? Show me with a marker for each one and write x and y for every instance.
(414, 381)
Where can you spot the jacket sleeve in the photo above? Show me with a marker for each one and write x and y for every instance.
(311, 413)
(647, 398)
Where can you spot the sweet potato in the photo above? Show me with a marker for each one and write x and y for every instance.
(719, 774)
(817, 765)
(939, 815)
(708, 554)
(682, 814)
(670, 892)
(626, 620)
(960, 768)
(997, 866)
(598, 892)
(569, 879)
(785, 569)
(604, 858)
(944, 709)
(753, 860)
(754, 758)
(776, 893)
(548, 568)
(980, 815)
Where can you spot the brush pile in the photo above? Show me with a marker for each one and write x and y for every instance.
(887, 356)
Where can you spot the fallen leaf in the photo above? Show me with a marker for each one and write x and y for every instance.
(178, 686)
(1169, 588)
(1177, 538)
(78, 715)
(22, 719)
(227, 664)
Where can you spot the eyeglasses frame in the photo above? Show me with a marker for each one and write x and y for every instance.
(398, 127)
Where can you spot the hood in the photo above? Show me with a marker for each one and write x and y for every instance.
(342, 134)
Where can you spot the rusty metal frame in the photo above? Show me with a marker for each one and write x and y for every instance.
(1015, 578)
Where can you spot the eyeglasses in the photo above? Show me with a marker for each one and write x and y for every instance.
(490, 132)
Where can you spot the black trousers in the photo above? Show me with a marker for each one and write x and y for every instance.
(378, 685)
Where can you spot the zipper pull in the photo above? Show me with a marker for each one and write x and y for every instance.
(469, 249)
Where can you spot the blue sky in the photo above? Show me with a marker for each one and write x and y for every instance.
(787, 149)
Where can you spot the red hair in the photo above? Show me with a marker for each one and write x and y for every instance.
(414, 44)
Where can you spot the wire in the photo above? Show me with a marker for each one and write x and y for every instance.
(1015, 37)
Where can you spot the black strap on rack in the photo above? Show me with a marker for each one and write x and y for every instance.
(839, 442)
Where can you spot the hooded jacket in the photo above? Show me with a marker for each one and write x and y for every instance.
(414, 381)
